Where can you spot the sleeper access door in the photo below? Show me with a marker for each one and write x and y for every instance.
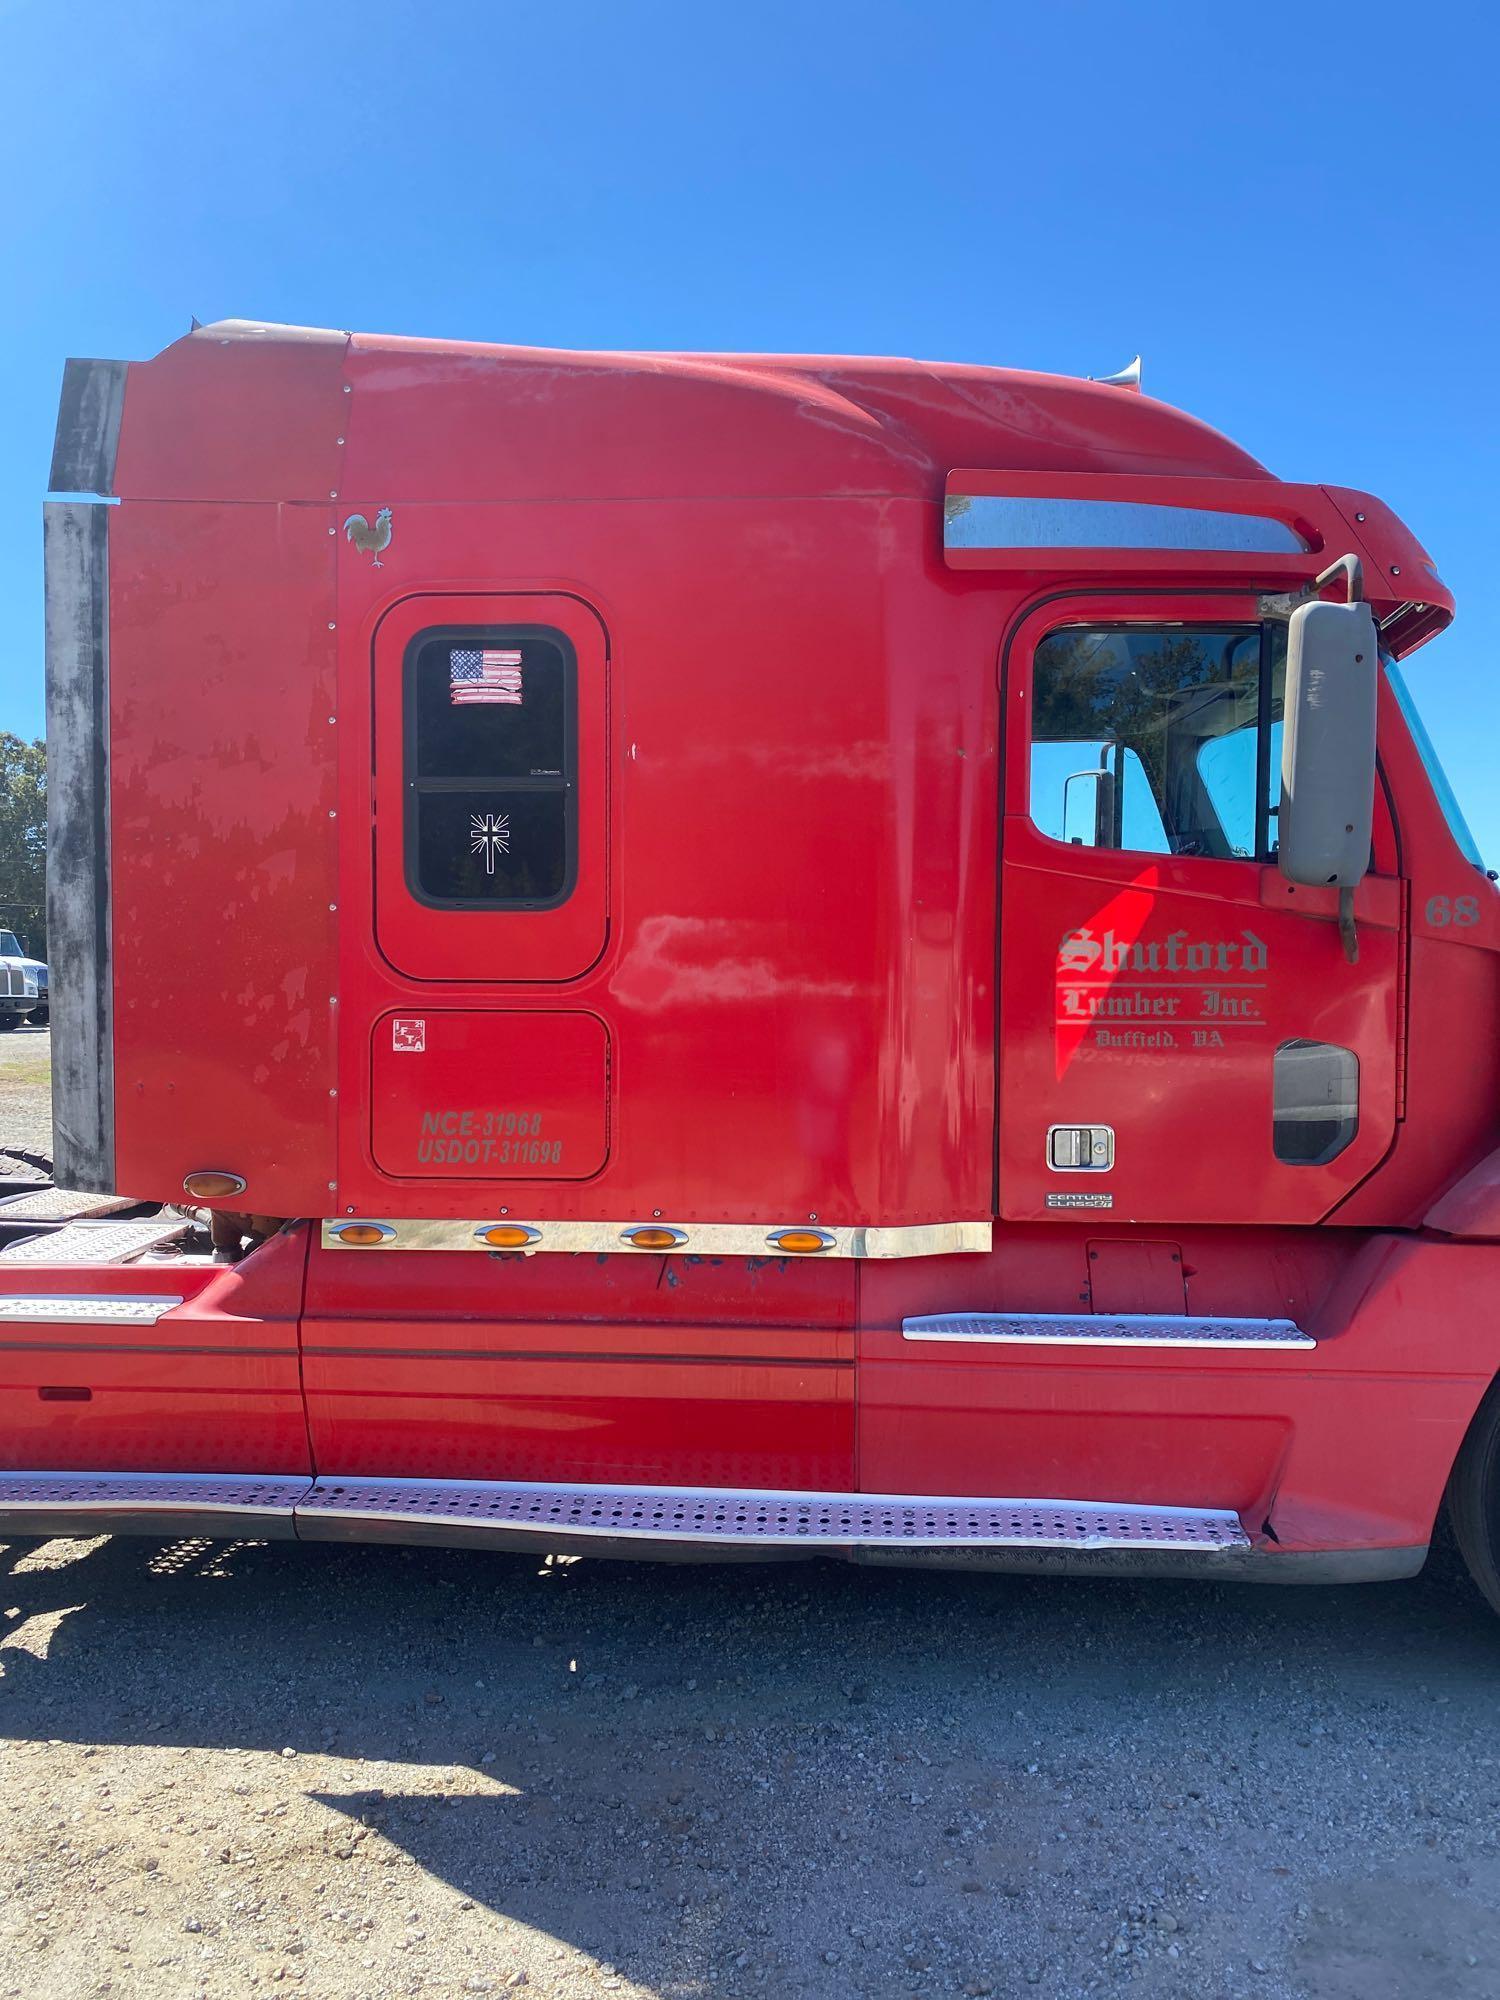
(488, 895)
(490, 789)
(1183, 1037)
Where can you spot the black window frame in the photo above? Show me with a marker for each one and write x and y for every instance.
(1265, 628)
(414, 785)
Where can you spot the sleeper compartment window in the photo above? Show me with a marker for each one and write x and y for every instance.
(491, 747)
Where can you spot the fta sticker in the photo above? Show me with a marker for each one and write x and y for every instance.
(409, 1037)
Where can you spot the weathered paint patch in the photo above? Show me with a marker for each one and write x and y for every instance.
(76, 542)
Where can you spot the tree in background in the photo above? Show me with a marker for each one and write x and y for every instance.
(23, 841)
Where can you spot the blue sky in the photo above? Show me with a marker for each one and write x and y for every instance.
(1291, 210)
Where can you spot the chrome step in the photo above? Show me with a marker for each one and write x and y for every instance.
(676, 1516)
(1106, 1330)
(95, 1242)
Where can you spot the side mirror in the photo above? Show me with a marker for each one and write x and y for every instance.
(1328, 745)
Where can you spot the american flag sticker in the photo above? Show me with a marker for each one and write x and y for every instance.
(488, 674)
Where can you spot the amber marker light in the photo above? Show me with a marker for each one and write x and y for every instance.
(364, 1235)
(800, 1242)
(654, 1236)
(212, 1186)
(508, 1235)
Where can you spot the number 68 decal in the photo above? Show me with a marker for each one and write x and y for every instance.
(1457, 910)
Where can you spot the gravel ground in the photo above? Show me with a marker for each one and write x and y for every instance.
(246, 1768)
(26, 1089)
(250, 1768)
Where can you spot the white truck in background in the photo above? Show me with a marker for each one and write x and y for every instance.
(23, 985)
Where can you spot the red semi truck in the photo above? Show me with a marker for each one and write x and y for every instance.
(747, 956)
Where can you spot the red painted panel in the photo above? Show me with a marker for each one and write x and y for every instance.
(1348, 1444)
(1137, 1276)
(1471, 1208)
(1397, 567)
(226, 415)
(499, 1096)
(212, 1387)
(686, 1370)
(469, 422)
(222, 795)
(483, 1400)
(796, 976)
(992, 1425)
(1452, 1074)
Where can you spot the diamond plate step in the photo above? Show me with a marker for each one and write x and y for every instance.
(361, 1508)
(55, 1204)
(636, 1521)
(116, 1503)
(84, 1309)
(94, 1242)
(1106, 1330)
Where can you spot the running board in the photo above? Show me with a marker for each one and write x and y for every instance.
(649, 1518)
(716, 1524)
(224, 1505)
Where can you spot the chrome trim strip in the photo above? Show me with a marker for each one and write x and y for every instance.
(70, 1309)
(696, 1517)
(1003, 521)
(1139, 1330)
(707, 1239)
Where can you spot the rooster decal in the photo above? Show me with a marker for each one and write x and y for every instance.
(371, 540)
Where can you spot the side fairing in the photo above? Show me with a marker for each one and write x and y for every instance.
(223, 856)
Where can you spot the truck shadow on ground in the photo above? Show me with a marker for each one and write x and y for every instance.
(855, 1780)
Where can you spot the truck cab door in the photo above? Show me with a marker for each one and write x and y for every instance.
(1182, 1036)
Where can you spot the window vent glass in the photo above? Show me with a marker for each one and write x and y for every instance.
(1315, 1103)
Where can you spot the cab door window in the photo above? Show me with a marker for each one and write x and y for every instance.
(1159, 739)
